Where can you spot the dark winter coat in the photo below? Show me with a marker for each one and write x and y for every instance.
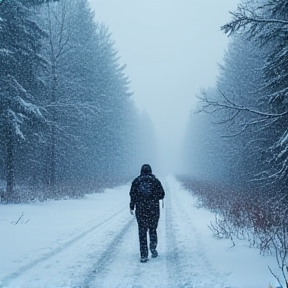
(146, 202)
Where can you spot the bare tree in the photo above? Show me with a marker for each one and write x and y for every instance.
(264, 23)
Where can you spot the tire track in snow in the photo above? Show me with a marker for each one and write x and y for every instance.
(152, 274)
(59, 249)
(172, 253)
(201, 272)
(121, 268)
(119, 265)
(107, 256)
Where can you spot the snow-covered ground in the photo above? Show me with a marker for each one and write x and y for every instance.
(93, 243)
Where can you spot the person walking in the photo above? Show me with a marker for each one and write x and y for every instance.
(145, 193)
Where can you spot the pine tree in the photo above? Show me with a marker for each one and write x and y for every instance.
(20, 39)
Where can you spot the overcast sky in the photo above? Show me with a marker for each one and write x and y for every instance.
(172, 49)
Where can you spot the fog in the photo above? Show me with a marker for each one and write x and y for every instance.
(172, 50)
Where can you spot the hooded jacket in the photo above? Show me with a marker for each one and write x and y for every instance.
(146, 200)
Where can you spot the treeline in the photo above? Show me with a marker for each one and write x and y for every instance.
(68, 125)
(239, 138)
(239, 135)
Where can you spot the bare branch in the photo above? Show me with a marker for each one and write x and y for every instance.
(15, 223)
(228, 104)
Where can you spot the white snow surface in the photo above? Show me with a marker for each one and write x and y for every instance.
(93, 243)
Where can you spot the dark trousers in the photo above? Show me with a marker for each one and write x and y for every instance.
(147, 224)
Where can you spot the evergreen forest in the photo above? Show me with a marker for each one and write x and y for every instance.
(68, 125)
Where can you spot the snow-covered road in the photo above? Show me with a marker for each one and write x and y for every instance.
(93, 243)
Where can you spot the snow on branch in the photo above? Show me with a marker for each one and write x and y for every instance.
(245, 16)
(20, 106)
(90, 107)
(228, 104)
(16, 120)
(30, 108)
(5, 52)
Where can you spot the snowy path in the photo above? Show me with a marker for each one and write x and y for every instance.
(171, 268)
(194, 266)
(93, 243)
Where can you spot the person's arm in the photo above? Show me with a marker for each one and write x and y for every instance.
(132, 197)
(161, 193)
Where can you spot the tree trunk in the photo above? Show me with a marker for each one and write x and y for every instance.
(10, 173)
(52, 160)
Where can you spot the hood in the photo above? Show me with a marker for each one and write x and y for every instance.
(146, 169)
